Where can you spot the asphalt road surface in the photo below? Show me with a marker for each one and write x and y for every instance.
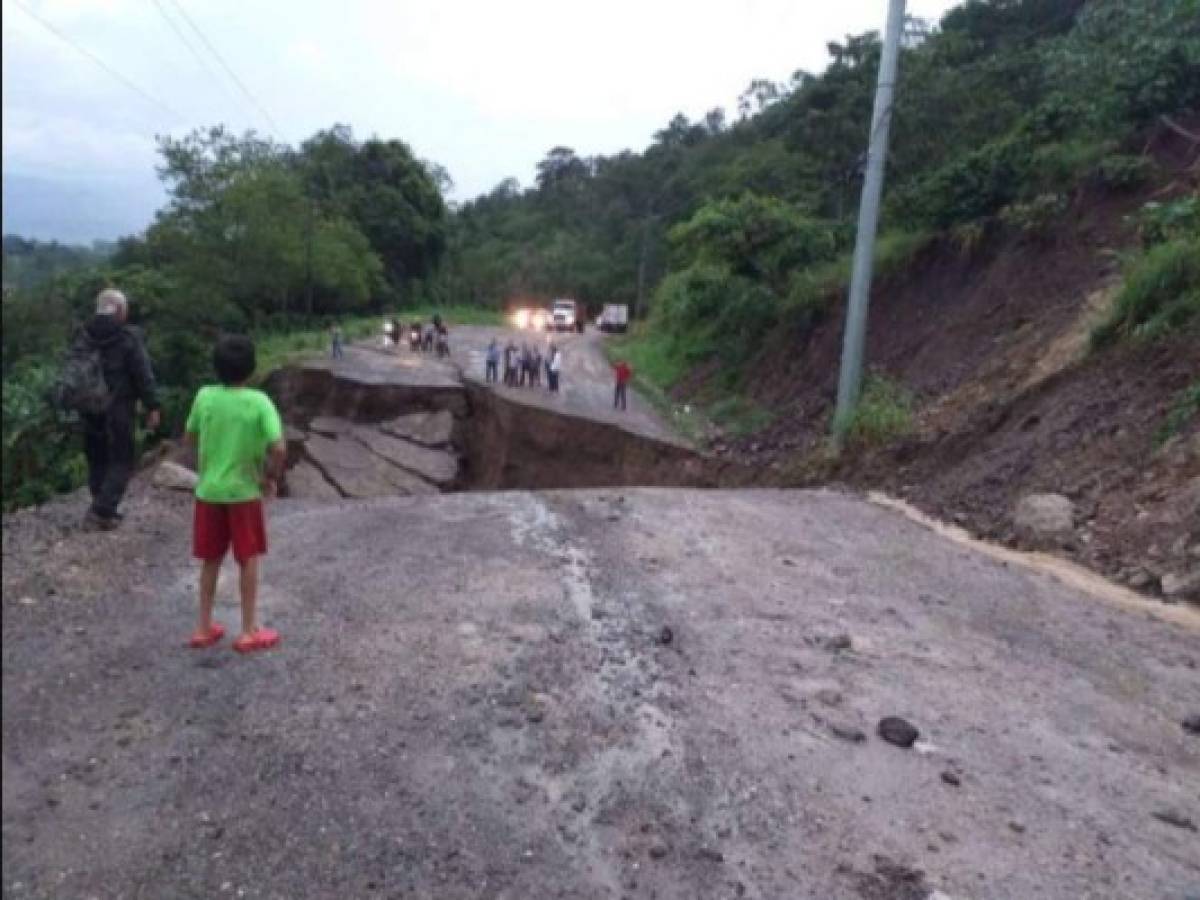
(586, 382)
(593, 694)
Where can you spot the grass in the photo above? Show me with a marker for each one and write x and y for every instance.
(884, 413)
(1161, 294)
(739, 416)
(1184, 409)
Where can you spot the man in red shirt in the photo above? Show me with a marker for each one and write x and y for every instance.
(623, 373)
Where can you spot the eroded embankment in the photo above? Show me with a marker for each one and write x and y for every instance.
(353, 436)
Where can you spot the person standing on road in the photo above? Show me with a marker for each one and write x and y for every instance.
(622, 372)
(510, 364)
(335, 334)
(554, 367)
(535, 368)
(128, 377)
(238, 436)
(492, 362)
(526, 361)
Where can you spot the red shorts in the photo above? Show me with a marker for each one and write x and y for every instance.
(216, 525)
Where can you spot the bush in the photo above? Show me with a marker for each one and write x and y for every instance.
(884, 413)
(716, 312)
(740, 416)
(1122, 171)
(1036, 217)
(43, 452)
(1160, 222)
(1161, 293)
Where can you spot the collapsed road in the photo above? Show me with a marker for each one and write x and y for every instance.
(608, 692)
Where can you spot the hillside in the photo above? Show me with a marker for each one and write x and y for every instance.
(998, 390)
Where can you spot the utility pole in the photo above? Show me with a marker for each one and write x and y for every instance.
(854, 340)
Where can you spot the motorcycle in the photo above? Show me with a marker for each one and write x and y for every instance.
(414, 338)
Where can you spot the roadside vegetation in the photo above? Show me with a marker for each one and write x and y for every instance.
(722, 234)
(733, 228)
(1161, 290)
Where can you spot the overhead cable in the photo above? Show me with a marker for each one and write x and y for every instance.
(83, 51)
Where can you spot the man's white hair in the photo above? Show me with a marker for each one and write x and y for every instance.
(110, 301)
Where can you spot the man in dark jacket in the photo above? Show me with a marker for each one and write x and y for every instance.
(108, 438)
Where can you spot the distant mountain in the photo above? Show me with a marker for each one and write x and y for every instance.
(76, 211)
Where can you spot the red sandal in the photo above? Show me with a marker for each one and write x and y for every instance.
(201, 641)
(262, 639)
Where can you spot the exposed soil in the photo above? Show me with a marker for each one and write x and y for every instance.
(994, 346)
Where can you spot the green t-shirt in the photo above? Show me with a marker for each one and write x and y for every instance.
(235, 426)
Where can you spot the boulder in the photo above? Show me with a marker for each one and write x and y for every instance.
(359, 473)
(1044, 520)
(174, 477)
(1184, 586)
(432, 429)
(435, 466)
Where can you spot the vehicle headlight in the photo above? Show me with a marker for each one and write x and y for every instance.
(521, 318)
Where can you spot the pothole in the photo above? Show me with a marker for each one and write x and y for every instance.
(355, 437)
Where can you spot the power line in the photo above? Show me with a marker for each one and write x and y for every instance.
(224, 65)
(183, 39)
(150, 98)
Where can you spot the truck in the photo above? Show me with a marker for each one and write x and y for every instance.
(565, 315)
(614, 318)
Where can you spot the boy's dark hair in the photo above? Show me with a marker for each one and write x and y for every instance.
(233, 358)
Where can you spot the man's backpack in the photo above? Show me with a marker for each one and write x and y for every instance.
(81, 386)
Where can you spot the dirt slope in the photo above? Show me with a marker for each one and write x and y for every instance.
(994, 345)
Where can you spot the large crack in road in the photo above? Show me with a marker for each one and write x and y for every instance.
(614, 692)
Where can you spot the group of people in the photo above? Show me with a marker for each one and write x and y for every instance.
(235, 429)
(424, 338)
(238, 437)
(523, 367)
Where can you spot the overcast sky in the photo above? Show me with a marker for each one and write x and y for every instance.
(483, 87)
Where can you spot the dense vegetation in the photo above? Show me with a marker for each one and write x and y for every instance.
(719, 232)
(256, 237)
(723, 231)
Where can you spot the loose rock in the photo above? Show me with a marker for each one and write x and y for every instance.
(666, 635)
(1044, 520)
(1192, 724)
(897, 731)
(951, 778)
(1185, 586)
(847, 732)
(171, 476)
(838, 642)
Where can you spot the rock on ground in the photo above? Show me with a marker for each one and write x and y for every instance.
(174, 477)
(1044, 520)
(1185, 586)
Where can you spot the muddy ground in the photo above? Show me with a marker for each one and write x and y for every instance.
(635, 693)
(993, 344)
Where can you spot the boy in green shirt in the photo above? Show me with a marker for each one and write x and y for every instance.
(241, 450)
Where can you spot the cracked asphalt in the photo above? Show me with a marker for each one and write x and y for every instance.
(475, 696)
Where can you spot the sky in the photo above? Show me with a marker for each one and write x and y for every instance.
(483, 87)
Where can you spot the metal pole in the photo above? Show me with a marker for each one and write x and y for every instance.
(854, 340)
